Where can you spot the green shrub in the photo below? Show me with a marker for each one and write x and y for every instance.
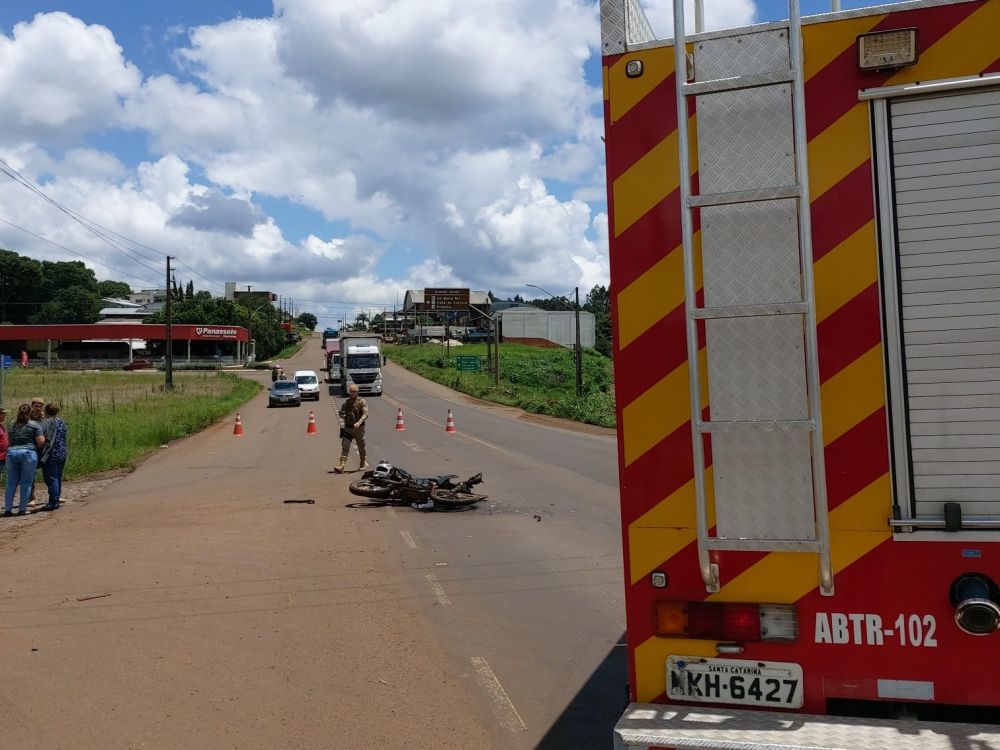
(115, 418)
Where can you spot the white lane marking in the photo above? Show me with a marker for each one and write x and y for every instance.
(392, 512)
(413, 446)
(437, 589)
(408, 538)
(504, 709)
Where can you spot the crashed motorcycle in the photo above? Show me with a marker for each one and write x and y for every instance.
(391, 485)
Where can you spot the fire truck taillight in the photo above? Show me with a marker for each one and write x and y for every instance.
(976, 599)
(727, 621)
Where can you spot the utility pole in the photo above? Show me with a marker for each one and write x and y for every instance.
(579, 349)
(169, 337)
(496, 349)
(250, 321)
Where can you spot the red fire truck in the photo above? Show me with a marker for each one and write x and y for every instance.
(805, 268)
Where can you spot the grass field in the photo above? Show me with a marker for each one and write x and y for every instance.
(116, 418)
(535, 379)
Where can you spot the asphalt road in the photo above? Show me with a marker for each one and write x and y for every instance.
(189, 606)
(531, 583)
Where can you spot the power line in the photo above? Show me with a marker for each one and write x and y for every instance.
(90, 225)
(74, 252)
(27, 184)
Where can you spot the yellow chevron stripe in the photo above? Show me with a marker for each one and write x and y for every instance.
(846, 271)
(849, 397)
(665, 530)
(854, 393)
(845, 145)
(655, 294)
(967, 48)
(838, 150)
(825, 42)
(651, 179)
(651, 657)
(856, 528)
(655, 414)
(645, 183)
(644, 302)
(659, 411)
(657, 65)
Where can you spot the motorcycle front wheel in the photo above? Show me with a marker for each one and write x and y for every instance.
(368, 488)
(455, 498)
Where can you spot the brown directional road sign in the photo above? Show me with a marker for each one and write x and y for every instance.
(446, 300)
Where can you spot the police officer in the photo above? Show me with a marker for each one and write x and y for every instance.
(354, 412)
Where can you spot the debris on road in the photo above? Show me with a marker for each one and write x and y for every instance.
(307, 500)
(92, 596)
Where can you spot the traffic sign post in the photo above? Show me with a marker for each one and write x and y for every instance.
(446, 300)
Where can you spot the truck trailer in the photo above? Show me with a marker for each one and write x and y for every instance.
(804, 222)
(331, 361)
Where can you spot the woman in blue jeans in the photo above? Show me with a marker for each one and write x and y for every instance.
(26, 440)
(54, 454)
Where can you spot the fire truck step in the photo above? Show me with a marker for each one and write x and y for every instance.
(660, 726)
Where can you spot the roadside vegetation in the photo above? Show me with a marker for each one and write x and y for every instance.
(542, 381)
(117, 418)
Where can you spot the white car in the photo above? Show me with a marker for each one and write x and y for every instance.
(308, 382)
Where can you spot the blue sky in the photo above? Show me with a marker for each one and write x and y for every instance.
(337, 153)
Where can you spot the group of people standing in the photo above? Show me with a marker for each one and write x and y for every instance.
(35, 437)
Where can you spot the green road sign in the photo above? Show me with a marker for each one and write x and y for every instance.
(467, 363)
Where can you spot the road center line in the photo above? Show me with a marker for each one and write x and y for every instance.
(504, 709)
(437, 589)
(408, 538)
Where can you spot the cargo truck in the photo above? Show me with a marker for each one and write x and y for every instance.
(804, 223)
(361, 362)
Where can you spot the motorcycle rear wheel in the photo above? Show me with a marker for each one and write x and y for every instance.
(455, 498)
(368, 488)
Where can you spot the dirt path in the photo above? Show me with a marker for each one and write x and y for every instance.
(186, 605)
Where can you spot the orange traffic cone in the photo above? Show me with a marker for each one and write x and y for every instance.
(238, 427)
(311, 429)
(399, 421)
(449, 425)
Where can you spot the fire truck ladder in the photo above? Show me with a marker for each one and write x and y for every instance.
(758, 312)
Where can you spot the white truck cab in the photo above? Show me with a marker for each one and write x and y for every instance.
(362, 365)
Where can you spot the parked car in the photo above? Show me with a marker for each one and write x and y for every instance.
(308, 382)
(284, 392)
(139, 364)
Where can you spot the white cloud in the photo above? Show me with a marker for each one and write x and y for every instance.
(459, 143)
(447, 62)
(92, 164)
(60, 78)
(719, 14)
